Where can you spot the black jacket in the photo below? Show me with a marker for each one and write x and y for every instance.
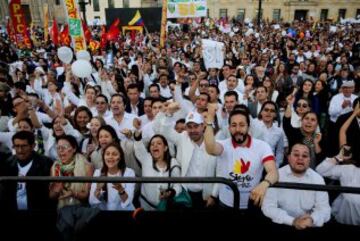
(140, 107)
(37, 192)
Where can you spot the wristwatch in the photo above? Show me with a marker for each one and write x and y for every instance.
(209, 123)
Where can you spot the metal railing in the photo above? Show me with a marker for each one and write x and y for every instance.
(287, 185)
(131, 180)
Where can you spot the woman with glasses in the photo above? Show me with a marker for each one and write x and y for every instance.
(306, 91)
(70, 163)
(307, 132)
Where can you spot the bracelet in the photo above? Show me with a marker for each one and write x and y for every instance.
(266, 180)
(209, 123)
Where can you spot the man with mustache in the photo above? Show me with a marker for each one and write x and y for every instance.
(242, 159)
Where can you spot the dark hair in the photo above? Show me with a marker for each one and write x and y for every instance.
(356, 101)
(299, 143)
(232, 93)
(24, 135)
(27, 120)
(268, 102)
(154, 85)
(70, 139)
(215, 87)
(206, 94)
(103, 96)
(118, 95)
(133, 86)
(157, 100)
(112, 132)
(182, 120)
(77, 112)
(121, 165)
(167, 156)
(308, 113)
(239, 112)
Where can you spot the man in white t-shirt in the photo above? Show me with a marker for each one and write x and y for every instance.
(242, 159)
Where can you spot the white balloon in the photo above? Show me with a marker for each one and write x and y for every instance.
(81, 68)
(83, 54)
(65, 54)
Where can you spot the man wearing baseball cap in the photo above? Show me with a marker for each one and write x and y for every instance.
(191, 154)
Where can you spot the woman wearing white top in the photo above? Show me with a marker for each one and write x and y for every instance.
(156, 162)
(113, 196)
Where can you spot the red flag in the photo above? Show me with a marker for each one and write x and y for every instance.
(10, 31)
(54, 33)
(64, 36)
(87, 32)
(94, 45)
(114, 31)
(19, 24)
(103, 40)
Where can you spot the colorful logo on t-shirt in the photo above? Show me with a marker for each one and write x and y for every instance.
(240, 167)
(239, 173)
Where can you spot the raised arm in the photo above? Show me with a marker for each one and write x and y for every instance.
(345, 126)
(212, 147)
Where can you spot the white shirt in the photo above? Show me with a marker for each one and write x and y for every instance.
(274, 136)
(126, 123)
(165, 92)
(284, 205)
(346, 207)
(197, 167)
(243, 166)
(114, 201)
(335, 108)
(21, 195)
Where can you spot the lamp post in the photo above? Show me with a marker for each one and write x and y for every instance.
(259, 13)
(82, 5)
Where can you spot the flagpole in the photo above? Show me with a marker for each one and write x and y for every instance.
(163, 23)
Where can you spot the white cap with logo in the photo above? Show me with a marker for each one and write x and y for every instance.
(194, 117)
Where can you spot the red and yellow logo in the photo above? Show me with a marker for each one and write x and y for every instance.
(240, 167)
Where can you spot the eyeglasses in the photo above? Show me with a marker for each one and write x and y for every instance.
(303, 105)
(204, 85)
(63, 147)
(269, 110)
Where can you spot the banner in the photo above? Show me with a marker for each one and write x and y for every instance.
(75, 26)
(46, 22)
(18, 22)
(163, 24)
(186, 8)
(213, 53)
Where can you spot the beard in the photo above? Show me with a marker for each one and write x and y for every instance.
(239, 138)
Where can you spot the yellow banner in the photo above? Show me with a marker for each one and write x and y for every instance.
(75, 25)
(163, 24)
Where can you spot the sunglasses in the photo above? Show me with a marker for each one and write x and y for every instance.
(204, 85)
(302, 105)
(269, 110)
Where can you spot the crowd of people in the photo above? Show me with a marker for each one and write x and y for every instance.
(284, 107)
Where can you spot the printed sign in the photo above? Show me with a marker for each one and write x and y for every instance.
(186, 8)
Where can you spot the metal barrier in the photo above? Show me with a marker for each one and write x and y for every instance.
(131, 180)
(316, 187)
(300, 186)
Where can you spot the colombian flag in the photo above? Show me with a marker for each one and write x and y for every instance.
(137, 20)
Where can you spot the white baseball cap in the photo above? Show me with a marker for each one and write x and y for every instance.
(194, 117)
(348, 83)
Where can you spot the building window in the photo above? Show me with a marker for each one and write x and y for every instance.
(111, 3)
(126, 3)
(357, 14)
(57, 2)
(324, 14)
(342, 13)
(277, 15)
(96, 5)
(223, 13)
(241, 14)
